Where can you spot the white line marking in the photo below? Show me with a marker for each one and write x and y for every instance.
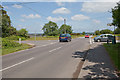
(17, 64)
(46, 45)
(55, 49)
(29, 49)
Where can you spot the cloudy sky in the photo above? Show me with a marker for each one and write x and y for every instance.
(82, 16)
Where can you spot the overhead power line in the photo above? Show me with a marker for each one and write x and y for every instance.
(23, 4)
(18, 3)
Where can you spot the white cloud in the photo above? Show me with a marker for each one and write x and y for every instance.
(22, 20)
(17, 6)
(97, 6)
(61, 11)
(60, 3)
(80, 17)
(55, 19)
(65, 0)
(96, 21)
(31, 16)
(20, 27)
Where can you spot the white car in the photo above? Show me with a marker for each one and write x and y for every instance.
(103, 38)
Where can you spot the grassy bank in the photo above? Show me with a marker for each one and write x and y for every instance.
(15, 49)
(114, 52)
(10, 46)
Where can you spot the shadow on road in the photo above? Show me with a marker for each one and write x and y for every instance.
(98, 64)
(79, 54)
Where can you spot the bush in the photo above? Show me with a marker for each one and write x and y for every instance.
(15, 38)
(106, 31)
(9, 43)
(75, 34)
(97, 32)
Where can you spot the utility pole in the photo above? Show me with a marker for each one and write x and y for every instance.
(64, 25)
(35, 36)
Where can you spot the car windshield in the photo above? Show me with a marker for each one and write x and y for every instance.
(63, 35)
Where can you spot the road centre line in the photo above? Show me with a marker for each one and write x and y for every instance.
(16, 64)
(47, 44)
(55, 49)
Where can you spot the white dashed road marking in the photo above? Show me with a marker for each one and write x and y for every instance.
(16, 64)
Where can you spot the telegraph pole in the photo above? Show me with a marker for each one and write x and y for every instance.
(64, 25)
(35, 35)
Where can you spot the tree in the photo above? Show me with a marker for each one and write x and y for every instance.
(97, 32)
(83, 33)
(106, 31)
(65, 29)
(116, 15)
(50, 29)
(117, 30)
(23, 33)
(1, 22)
(7, 29)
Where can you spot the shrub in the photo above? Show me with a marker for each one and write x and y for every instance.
(15, 38)
(9, 43)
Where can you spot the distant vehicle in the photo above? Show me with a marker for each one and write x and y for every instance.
(64, 37)
(103, 38)
(86, 36)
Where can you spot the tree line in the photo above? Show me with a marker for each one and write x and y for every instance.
(51, 29)
(107, 31)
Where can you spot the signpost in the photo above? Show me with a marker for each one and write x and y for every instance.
(19, 40)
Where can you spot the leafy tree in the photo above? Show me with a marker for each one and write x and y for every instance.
(7, 29)
(50, 29)
(23, 33)
(116, 15)
(97, 32)
(65, 29)
(0, 22)
(106, 31)
(83, 33)
(117, 30)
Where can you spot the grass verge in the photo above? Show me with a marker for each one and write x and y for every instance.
(44, 38)
(50, 37)
(114, 52)
(14, 49)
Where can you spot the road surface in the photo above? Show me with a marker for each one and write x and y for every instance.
(49, 59)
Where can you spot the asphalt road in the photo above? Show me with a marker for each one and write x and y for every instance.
(49, 59)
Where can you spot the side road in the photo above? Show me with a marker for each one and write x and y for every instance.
(98, 64)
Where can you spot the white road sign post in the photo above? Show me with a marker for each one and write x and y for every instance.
(19, 40)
